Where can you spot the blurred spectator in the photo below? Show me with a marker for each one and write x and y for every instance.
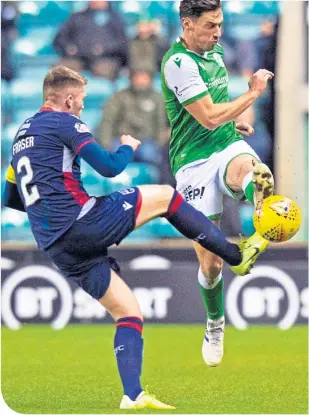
(8, 34)
(148, 48)
(263, 43)
(260, 141)
(239, 56)
(268, 61)
(139, 111)
(93, 39)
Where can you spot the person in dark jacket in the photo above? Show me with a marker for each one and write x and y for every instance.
(8, 35)
(93, 39)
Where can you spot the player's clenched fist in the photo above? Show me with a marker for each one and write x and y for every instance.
(259, 80)
(130, 141)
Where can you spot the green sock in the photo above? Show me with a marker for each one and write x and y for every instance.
(249, 192)
(213, 300)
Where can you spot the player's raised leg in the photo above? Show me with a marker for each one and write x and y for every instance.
(165, 201)
(121, 303)
(246, 173)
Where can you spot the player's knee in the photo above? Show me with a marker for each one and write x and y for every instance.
(167, 191)
(165, 196)
(126, 310)
(212, 268)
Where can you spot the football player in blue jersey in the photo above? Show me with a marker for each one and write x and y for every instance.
(75, 229)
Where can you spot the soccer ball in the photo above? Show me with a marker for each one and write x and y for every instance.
(277, 218)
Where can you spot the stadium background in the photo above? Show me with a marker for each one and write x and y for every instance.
(155, 260)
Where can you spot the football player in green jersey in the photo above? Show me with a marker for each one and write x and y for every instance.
(208, 154)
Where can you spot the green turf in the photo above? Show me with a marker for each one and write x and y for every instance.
(74, 370)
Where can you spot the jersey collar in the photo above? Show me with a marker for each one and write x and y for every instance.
(178, 40)
(46, 108)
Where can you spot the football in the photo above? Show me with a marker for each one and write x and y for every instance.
(277, 218)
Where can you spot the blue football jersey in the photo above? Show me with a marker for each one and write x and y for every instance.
(47, 172)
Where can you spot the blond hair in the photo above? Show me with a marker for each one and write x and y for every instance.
(61, 77)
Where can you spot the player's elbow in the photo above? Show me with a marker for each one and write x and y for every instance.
(109, 173)
(112, 172)
(210, 124)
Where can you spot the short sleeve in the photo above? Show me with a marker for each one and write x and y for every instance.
(74, 133)
(183, 78)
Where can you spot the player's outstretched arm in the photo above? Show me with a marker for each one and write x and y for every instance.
(11, 195)
(212, 115)
(106, 163)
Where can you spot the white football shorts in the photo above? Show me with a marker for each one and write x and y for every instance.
(202, 183)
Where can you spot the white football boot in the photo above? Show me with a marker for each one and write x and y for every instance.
(144, 400)
(212, 349)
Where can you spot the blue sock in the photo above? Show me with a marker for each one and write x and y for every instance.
(128, 348)
(194, 225)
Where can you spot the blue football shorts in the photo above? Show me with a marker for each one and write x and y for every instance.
(81, 253)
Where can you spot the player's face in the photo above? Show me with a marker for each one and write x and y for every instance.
(76, 98)
(206, 30)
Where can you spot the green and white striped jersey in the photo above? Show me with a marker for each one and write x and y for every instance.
(187, 77)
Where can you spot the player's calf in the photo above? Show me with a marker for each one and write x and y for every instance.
(121, 303)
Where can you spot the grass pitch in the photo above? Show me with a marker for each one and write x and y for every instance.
(73, 371)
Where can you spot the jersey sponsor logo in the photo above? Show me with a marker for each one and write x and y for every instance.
(81, 128)
(178, 61)
(127, 206)
(218, 83)
(191, 193)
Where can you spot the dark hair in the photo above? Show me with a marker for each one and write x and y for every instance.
(195, 8)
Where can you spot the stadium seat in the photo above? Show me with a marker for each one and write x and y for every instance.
(33, 72)
(122, 82)
(6, 101)
(41, 14)
(246, 219)
(156, 83)
(9, 132)
(161, 228)
(27, 93)
(140, 235)
(23, 114)
(15, 226)
(37, 42)
(98, 91)
(238, 85)
(135, 174)
(94, 183)
(91, 117)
